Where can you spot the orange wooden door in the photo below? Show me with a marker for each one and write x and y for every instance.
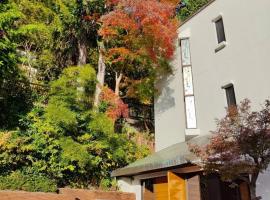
(244, 191)
(176, 187)
(161, 188)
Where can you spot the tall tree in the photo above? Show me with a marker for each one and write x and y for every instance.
(139, 38)
(15, 94)
(240, 145)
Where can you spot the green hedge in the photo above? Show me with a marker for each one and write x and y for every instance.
(28, 182)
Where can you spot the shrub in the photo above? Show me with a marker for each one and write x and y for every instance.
(19, 180)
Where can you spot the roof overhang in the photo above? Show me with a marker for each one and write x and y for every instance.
(170, 157)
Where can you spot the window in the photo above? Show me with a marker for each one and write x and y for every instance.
(191, 121)
(230, 95)
(220, 30)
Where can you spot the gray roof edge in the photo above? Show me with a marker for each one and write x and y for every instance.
(128, 171)
(178, 160)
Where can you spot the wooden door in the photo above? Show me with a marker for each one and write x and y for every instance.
(244, 191)
(176, 187)
(161, 188)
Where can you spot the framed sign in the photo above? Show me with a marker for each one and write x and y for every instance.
(185, 49)
(188, 82)
(190, 112)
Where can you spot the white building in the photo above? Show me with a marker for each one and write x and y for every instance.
(222, 57)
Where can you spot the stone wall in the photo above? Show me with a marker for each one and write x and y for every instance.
(66, 194)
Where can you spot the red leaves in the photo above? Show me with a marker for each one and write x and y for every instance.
(241, 143)
(116, 20)
(149, 24)
(116, 108)
(112, 2)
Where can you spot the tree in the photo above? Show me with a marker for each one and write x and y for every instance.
(240, 145)
(15, 93)
(139, 38)
(66, 142)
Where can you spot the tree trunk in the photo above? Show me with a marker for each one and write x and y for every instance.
(82, 53)
(252, 185)
(117, 83)
(100, 78)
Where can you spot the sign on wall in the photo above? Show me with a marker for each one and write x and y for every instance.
(190, 109)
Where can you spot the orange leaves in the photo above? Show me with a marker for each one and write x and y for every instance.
(120, 54)
(112, 2)
(114, 21)
(149, 23)
(116, 108)
(173, 2)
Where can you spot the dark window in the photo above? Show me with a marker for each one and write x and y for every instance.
(230, 94)
(220, 30)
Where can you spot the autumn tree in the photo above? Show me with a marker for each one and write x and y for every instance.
(139, 38)
(240, 145)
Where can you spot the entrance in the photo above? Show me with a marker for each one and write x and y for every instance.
(192, 186)
(170, 187)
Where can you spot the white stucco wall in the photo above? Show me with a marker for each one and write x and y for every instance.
(169, 108)
(132, 185)
(245, 62)
(263, 185)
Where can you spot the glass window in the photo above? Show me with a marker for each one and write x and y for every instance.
(188, 83)
(190, 112)
(191, 122)
(230, 95)
(185, 49)
(220, 30)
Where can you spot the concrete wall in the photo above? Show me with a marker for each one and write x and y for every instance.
(244, 62)
(66, 194)
(263, 185)
(169, 108)
(131, 185)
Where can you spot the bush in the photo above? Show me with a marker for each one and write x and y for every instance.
(18, 180)
(65, 139)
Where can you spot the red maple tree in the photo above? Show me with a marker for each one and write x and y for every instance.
(115, 107)
(240, 145)
(138, 33)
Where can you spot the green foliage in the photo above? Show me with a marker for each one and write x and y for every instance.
(60, 139)
(65, 140)
(191, 7)
(15, 94)
(18, 180)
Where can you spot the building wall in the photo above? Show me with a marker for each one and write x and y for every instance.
(243, 62)
(263, 185)
(169, 108)
(131, 185)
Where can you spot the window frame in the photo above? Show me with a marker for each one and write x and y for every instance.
(220, 30)
(223, 44)
(230, 98)
(189, 65)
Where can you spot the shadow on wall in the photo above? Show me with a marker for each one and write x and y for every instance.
(165, 99)
(263, 184)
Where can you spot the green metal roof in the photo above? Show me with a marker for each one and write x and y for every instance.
(177, 154)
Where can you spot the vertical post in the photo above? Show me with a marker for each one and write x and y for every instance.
(176, 187)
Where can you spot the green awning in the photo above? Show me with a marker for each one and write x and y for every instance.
(175, 155)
